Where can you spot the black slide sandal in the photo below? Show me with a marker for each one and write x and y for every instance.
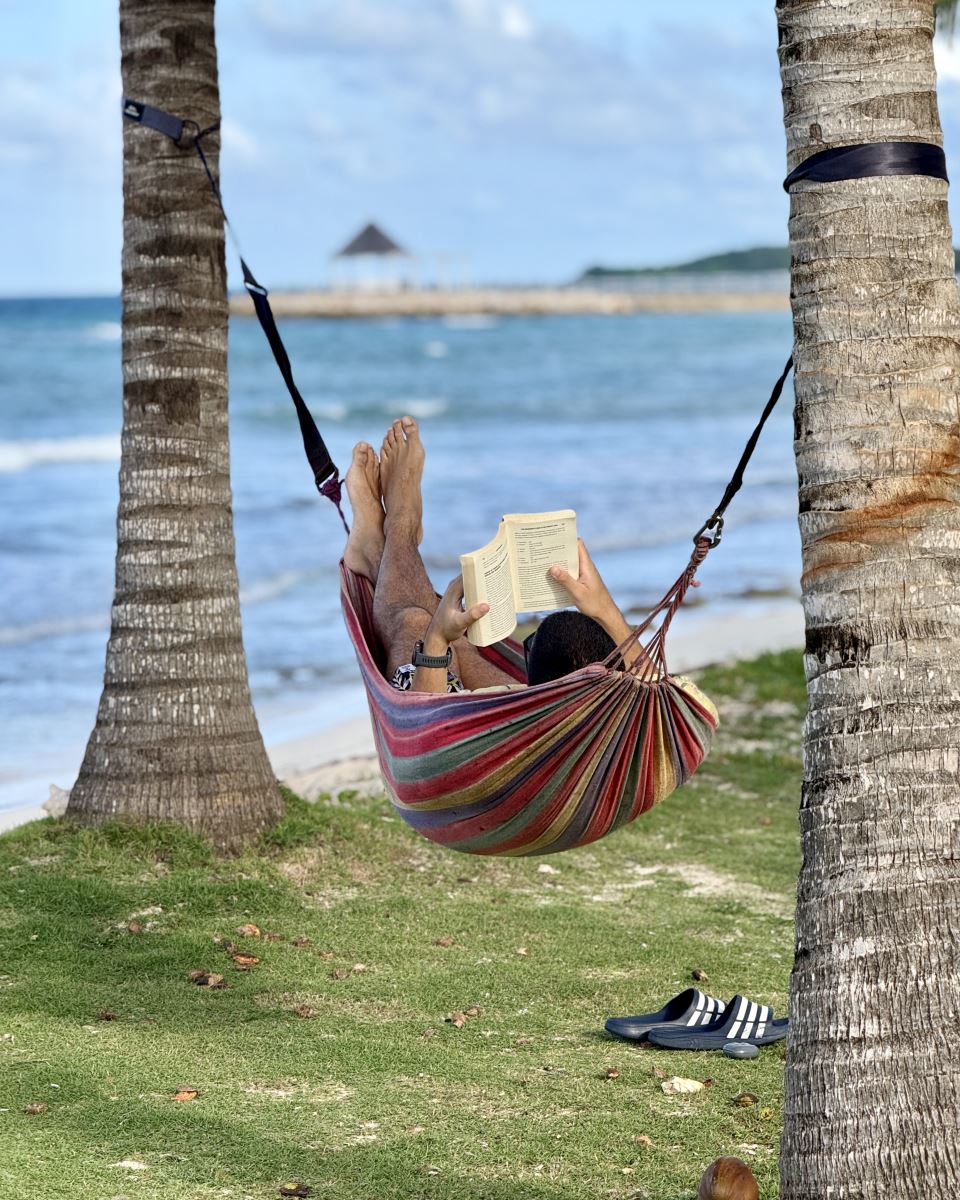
(690, 1009)
(743, 1021)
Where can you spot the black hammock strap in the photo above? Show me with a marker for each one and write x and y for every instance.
(189, 135)
(870, 158)
(714, 522)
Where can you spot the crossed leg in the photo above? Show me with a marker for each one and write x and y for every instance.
(385, 548)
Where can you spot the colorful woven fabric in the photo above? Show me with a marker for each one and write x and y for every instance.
(535, 770)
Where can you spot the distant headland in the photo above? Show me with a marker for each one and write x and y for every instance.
(755, 259)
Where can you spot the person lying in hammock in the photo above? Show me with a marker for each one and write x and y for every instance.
(412, 624)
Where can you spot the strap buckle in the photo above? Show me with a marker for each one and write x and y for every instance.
(713, 523)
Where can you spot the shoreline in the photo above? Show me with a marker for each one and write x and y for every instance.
(337, 756)
(503, 302)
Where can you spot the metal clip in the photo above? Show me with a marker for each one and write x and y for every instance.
(714, 523)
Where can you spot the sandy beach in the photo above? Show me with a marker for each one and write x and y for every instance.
(499, 302)
(342, 755)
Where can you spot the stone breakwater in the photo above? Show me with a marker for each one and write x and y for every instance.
(503, 302)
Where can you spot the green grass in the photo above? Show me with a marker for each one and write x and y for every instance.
(378, 1096)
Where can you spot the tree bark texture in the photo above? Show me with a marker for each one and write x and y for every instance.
(176, 738)
(873, 1070)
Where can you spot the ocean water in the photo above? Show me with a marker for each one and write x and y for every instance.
(636, 422)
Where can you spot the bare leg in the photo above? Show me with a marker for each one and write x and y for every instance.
(364, 548)
(404, 600)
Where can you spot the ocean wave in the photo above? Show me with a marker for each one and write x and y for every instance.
(416, 408)
(471, 321)
(21, 455)
(36, 631)
(436, 349)
(269, 589)
(104, 331)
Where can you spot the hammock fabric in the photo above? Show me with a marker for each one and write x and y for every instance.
(540, 769)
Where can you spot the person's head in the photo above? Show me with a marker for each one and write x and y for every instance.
(728, 1179)
(564, 642)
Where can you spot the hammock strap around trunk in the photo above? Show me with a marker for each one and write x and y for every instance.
(188, 136)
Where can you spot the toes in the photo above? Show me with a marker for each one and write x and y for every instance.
(409, 426)
(397, 430)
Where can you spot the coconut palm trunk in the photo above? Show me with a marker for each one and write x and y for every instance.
(873, 1071)
(176, 738)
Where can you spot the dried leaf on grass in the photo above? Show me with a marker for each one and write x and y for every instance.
(612, 1073)
(446, 940)
(305, 1011)
(34, 1110)
(208, 979)
(248, 930)
(106, 1014)
(185, 1093)
(300, 942)
(295, 1188)
(643, 1139)
(131, 1164)
(339, 973)
(135, 927)
(244, 962)
(522, 951)
(744, 1099)
(676, 1085)
(700, 976)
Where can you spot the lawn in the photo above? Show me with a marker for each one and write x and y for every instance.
(334, 1061)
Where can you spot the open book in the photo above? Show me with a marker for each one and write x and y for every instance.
(511, 572)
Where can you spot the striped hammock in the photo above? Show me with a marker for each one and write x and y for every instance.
(539, 769)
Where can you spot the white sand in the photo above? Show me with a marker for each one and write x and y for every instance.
(343, 756)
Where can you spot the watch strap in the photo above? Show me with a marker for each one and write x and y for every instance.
(431, 660)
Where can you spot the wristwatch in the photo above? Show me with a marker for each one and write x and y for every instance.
(431, 660)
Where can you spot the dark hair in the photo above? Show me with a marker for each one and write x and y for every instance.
(566, 641)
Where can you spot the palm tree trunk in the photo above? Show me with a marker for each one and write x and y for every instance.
(176, 738)
(873, 1068)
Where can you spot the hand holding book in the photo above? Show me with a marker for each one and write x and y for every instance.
(511, 574)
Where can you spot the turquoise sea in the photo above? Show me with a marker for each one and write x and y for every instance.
(635, 421)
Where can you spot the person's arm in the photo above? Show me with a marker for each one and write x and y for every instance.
(449, 622)
(589, 593)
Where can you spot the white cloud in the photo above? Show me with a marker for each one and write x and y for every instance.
(516, 22)
(62, 124)
(946, 55)
(476, 68)
(486, 74)
(241, 146)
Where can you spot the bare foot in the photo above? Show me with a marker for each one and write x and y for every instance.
(401, 473)
(364, 548)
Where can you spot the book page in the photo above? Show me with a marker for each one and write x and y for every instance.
(537, 541)
(487, 578)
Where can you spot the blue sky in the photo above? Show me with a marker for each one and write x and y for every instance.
(528, 138)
